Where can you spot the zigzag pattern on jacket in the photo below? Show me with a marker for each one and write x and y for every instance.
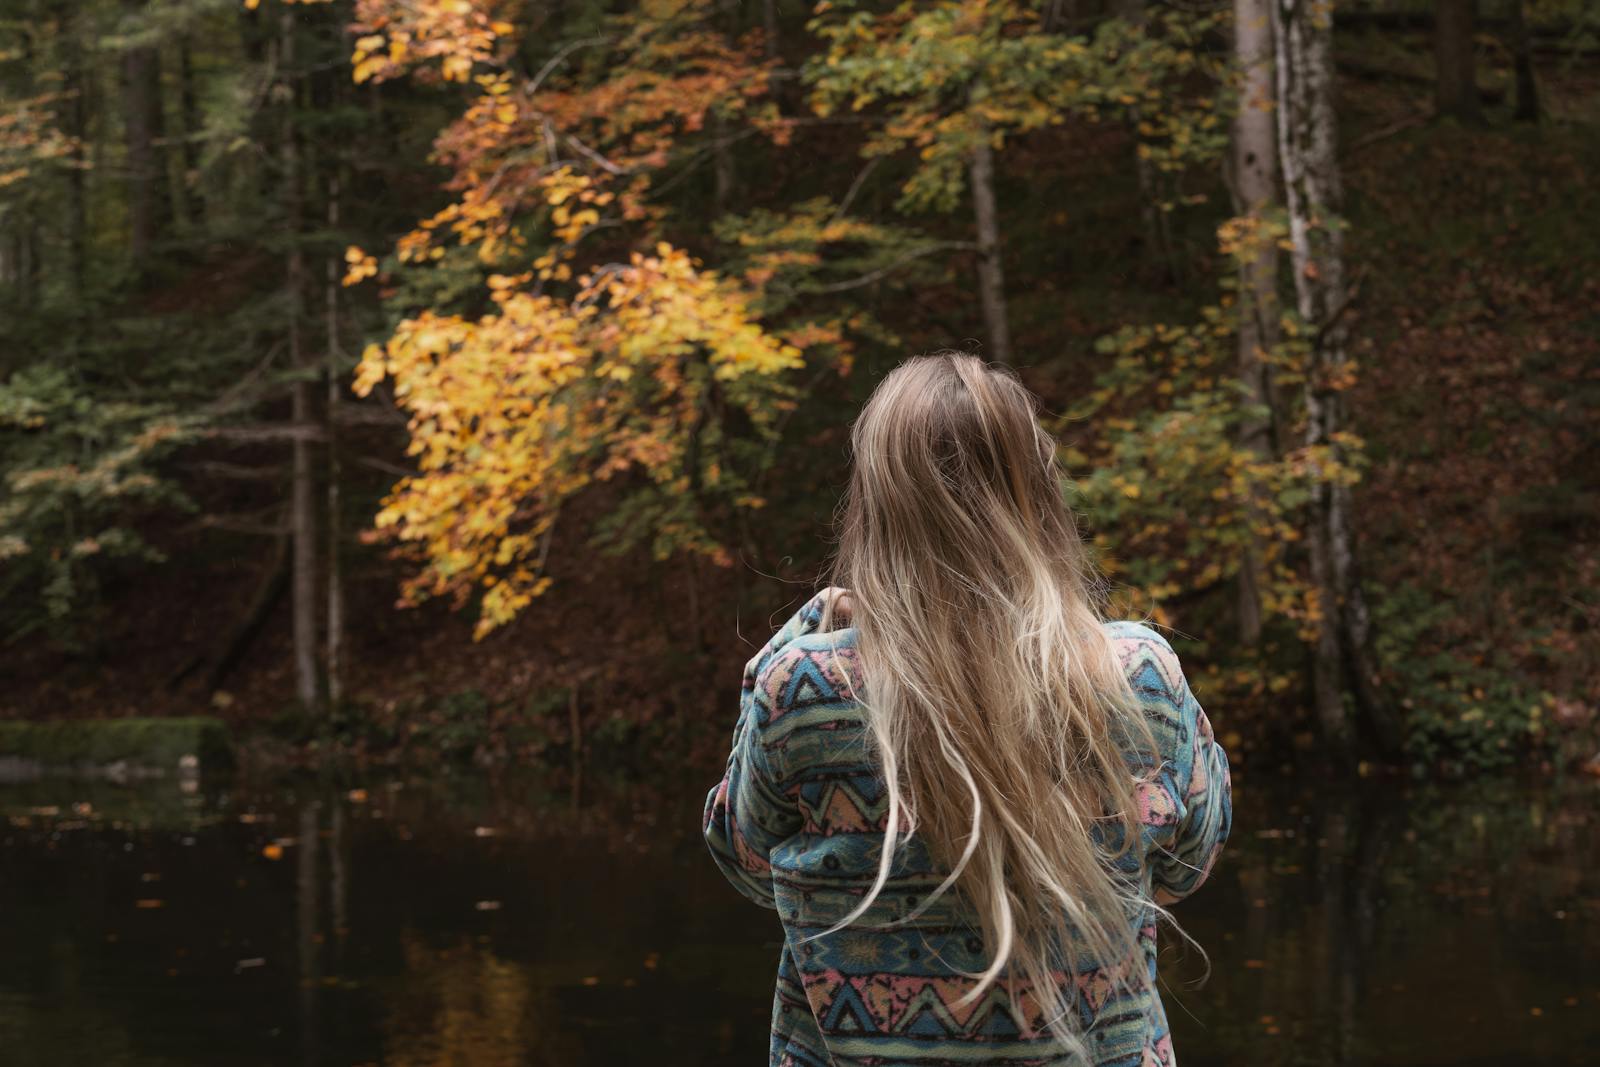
(797, 825)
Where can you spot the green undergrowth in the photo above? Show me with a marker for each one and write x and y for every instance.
(147, 742)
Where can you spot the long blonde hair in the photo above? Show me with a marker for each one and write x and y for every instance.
(994, 696)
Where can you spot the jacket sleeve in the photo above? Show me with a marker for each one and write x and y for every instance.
(1193, 789)
(746, 815)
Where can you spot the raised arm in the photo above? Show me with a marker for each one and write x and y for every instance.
(746, 815)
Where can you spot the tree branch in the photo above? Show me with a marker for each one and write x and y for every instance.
(891, 267)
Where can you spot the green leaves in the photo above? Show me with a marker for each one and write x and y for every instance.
(938, 76)
(79, 468)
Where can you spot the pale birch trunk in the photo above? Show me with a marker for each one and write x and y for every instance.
(303, 498)
(991, 272)
(1303, 33)
(1254, 173)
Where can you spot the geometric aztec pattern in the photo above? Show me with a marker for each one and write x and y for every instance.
(797, 825)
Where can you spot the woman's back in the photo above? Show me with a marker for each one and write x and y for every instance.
(798, 825)
(971, 799)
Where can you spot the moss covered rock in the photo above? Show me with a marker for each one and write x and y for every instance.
(90, 744)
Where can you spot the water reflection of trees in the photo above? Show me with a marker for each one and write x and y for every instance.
(1382, 926)
(1392, 926)
(460, 1005)
(452, 1000)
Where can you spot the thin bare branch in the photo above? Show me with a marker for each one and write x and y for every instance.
(557, 59)
(890, 268)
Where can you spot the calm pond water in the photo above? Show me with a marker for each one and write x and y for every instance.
(462, 922)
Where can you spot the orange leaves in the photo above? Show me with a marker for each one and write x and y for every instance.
(513, 413)
(358, 266)
(28, 137)
(461, 34)
(579, 373)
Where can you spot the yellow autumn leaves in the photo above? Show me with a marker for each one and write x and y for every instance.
(459, 33)
(645, 370)
(512, 413)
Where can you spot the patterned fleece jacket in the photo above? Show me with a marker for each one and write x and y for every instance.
(797, 824)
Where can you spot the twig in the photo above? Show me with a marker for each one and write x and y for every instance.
(386, 467)
(601, 161)
(855, 187)
(555, 60)
(1388, 131)
(889, 268)
(306, 431)
(237, 471)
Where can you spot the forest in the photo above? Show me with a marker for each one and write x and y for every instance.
(471, 380)
(414, 414)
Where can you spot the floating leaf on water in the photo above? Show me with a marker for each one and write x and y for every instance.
(487, 905)
(652, 961)
(1254, 965)
(150, 903)
(249, 817)
(273, 852)
(150, 876)
(1535, 1011)
(245, 965)
(591, 980)
(484, 831)
(356, 796)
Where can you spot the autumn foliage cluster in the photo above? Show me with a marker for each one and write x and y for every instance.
(473, 299)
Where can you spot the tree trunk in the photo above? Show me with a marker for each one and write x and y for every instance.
(149, 197)
(722, 162)
(1304, 53)
(335, 377)
(769, 21)
(1456, 87)
(303, 496)
(74, 121)
(193, 128)
(1254, 173)
(991, 272)
(22, 258)
(1157, 225)
(1522, 62)
(308, 926)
